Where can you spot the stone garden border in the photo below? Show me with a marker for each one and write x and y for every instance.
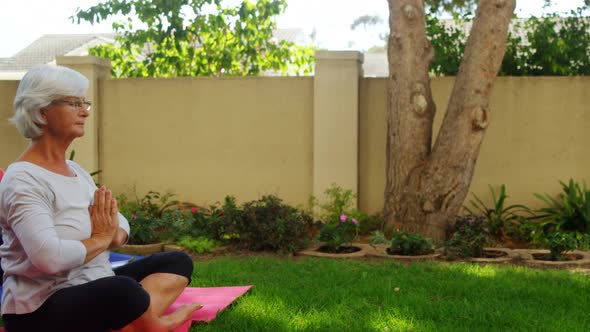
(527, 256)
(380, 250)
(508, 257)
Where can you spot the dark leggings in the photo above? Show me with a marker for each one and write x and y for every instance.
(102, 304)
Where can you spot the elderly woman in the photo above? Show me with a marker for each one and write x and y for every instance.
(57, 228)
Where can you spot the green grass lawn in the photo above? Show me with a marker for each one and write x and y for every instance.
(313, 294)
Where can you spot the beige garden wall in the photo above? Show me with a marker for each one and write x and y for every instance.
(11, 142)
(539, 134)
(205, 138)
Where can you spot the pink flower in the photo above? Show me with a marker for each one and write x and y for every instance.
(194, 209)
(134, 216)
(355, 221)
(343, 217)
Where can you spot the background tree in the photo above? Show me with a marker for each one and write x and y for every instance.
(549, 45)
(433, 7)
(451, 6)
(554, 44)
(196, 38)
(426, 183)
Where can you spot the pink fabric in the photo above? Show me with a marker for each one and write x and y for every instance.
(1, 175)
(213, 299)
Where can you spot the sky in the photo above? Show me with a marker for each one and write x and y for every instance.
(23, 21)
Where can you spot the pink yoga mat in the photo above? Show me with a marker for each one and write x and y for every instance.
(214, 300)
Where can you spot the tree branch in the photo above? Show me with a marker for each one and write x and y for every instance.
(468, 113)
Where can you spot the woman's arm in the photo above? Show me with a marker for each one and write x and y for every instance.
(122, 235)
(30, 216)
(119, 239)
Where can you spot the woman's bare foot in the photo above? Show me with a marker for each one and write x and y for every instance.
(181, 315)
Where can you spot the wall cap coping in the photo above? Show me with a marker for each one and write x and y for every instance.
(83, 60)
(339, 55)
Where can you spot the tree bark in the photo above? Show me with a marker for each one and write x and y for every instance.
(426, 185)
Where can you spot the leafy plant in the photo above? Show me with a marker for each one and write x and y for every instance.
(339, 201)
(368, 224)
(569, 211)
(554, 45)
(560, 242)
(196, 38)
(268, 224)
(500, 218)
(409, 244)
(378, 237)
(339, 232)
(145, 216)
(176, 222)
(448, 42)
(217, 221)
(467, 236)
(199, 245)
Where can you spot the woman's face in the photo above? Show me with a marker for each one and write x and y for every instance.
(65, 117)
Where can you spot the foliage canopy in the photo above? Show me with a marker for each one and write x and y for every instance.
(162, 38)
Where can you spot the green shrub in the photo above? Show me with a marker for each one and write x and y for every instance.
(467, 236)
(378, 237)
(409, 244)
(521, 231)
(268, 224)
(560, 242)
(569, 212)
(180, 222)
(339, 202)
(217, 221)
(145, 216)
(339, 232)
(371, 223)
(501, 219)
(199, 245)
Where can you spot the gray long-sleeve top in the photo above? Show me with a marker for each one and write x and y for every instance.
(43, 217)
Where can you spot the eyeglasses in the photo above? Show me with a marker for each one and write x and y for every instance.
(86, 105)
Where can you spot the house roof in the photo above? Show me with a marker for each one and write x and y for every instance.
(48, 47)
(45, 49)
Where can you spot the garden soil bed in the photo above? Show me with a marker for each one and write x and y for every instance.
(540, 258)
(493, 255)
(381, 250)
(354, 250)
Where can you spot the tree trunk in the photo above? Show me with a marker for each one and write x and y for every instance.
(426, 185)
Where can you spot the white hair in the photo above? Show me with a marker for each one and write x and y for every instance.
(39, 86)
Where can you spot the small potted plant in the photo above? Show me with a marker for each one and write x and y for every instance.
(467, 237)
(406, 246)
(559, 245)
(561, 252)
(337, 238)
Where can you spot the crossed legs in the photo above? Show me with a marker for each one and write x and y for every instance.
(135, 299)
(163, 277)
(163, 289)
